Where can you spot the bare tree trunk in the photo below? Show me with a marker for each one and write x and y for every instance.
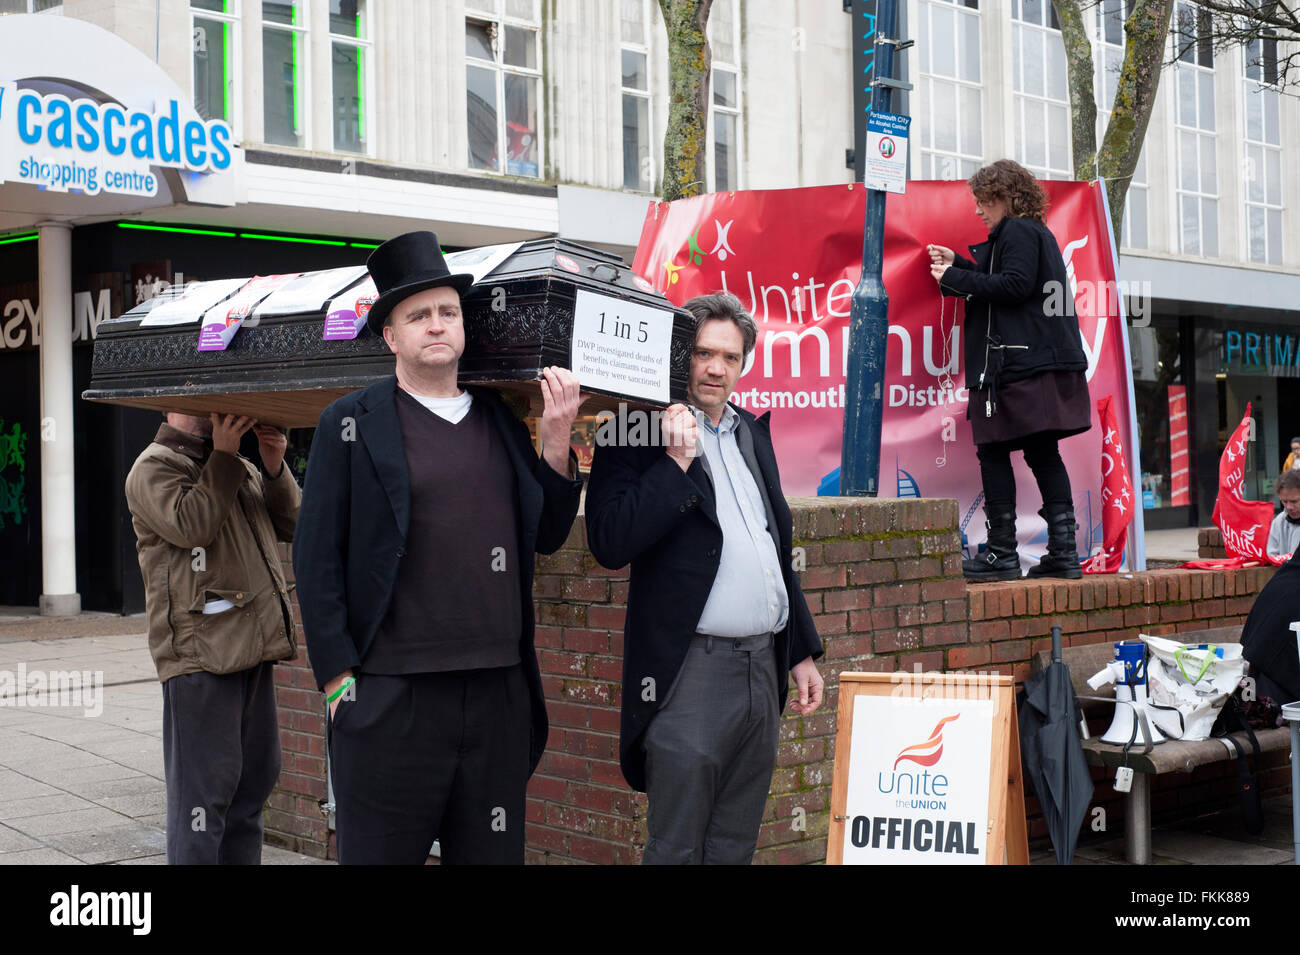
(689, 60)
(1145, 34)
(1083, 99)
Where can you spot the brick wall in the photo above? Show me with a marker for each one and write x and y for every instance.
(1209, 544)
(883, 581)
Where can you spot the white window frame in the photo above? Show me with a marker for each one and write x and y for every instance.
(939, 163)
(1022, 100)
(1138, 189)
(366, 45)
(647, 94)
(494, 12)
(233, 85)
(736, 112)
(1180, 131)
(302, 98)
(1250, 169)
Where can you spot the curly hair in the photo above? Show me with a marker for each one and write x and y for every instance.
(1012, 183)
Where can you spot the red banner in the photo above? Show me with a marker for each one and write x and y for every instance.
(1179, 485)
(1117, 498)
(1244, 524)
(793, 258)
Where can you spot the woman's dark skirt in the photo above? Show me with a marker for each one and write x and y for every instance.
(1055, 404)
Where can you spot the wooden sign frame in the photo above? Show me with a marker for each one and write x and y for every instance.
(1008, 841)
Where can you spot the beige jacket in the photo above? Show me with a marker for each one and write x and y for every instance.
(206, 524)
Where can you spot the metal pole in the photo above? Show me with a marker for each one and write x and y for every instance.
(869, 312)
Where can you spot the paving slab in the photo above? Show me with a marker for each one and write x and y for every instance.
(1203, 849)
(39, 857)
(111, 844)
(92, 817)
(41, 806)
(11, 840)
(102, 789)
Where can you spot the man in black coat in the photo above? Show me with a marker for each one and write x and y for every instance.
(422, 509)
(716, 622)
(1267, 639)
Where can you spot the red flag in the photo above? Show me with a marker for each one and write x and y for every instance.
(1244, 524)
(1117, 498)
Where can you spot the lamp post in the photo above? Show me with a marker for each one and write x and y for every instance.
(869, 313)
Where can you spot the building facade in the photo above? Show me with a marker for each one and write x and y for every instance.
(487, 121)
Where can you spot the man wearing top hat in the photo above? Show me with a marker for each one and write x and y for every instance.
(422, 508)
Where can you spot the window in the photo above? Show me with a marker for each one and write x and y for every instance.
(1196, 185)
(284, 72)
(349, 65)
(30, 6)
(214, 24)
(638, 166)
(1041, 105)
(724, 110)
(503, 66)
(1108, 57)
(1262, 152)
(949, 92)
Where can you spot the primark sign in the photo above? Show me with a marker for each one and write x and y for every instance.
(84, 112)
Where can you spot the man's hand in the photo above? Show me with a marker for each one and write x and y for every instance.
(561, 399)
(681, 434)
(271, 444)
(333, 685)
(227, 429)
(810, 685)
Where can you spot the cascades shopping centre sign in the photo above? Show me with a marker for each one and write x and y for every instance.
(62, 144)
(83, 111)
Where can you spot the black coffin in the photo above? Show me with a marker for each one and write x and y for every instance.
(518, 319)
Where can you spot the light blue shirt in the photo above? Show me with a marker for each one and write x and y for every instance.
(748, 595)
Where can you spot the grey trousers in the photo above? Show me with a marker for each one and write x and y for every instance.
(221, 757)
(710, 751)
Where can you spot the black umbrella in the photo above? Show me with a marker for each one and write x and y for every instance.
(1053, 755)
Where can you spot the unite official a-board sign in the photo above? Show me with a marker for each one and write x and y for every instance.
(927, 771)
(81, 110)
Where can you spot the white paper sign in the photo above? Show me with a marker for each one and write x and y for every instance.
(309, 292)
(621, 346)
(481, 261)
(918, 788)
(190, 306)
(886, 146)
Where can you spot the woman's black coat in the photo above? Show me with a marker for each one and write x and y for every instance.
(1020, 319)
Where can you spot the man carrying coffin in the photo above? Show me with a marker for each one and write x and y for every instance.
(716, 622)
(422, 509)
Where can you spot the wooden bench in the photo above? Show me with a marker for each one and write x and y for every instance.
(1167, 757)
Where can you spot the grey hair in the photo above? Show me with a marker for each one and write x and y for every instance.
(727, 308)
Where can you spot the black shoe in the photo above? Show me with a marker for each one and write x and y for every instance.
(1062, 557)
(1000, 560)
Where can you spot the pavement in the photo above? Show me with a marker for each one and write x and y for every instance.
(82, 783)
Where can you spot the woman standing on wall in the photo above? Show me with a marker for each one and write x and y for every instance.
(1024, 365)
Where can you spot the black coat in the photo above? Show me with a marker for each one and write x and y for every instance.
(353, 522)
(644, 510)
(1267, 640)
(1020, 319)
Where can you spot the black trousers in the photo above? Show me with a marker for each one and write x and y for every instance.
(428, 756)
(1044, 460)
(221, 757)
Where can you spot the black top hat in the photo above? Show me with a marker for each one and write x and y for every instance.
(405, 265)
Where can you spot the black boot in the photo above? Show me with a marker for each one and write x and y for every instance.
(1061, 559)
(1000, 561)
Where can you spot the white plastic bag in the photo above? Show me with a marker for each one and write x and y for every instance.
(1194, 679)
